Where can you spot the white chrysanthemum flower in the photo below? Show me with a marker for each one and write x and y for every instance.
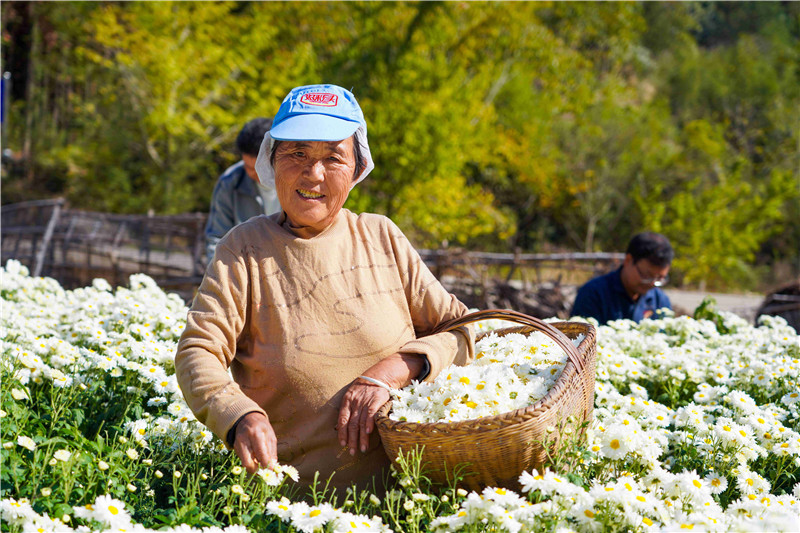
(638, 391)
(749, 482)
(110, 511)
(791, 398)
(504, 497)
(281, 508)
(617, 441)
(348, 522)
(716, 483)
(20, 394)
(16, 511)
(26, 442)
(62, 455)
(176, 409)
(309, 519)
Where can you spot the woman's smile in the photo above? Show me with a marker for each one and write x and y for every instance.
(309, 195)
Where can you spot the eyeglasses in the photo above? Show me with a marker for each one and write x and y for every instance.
(655, 282)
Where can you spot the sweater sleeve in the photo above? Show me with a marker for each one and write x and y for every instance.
(215, 322)
(430, 304)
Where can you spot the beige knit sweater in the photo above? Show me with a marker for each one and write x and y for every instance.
(297, 320)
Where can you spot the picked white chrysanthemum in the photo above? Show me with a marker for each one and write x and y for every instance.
(509, 372)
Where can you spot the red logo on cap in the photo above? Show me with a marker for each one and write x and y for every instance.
(323, 99)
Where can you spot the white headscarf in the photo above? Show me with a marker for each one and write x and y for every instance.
(266, 172)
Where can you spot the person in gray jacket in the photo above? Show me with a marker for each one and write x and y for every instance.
(238, 194)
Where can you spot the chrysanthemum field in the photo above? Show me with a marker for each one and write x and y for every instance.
(696, 426)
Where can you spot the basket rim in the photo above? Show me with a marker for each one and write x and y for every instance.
(479, 425)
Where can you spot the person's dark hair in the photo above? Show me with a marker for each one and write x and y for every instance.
(356, 152)
(249, 139)
(651, 246)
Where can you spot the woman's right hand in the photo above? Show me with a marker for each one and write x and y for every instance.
(255, 442)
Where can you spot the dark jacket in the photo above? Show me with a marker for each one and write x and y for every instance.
(605, 298)
(235, 199)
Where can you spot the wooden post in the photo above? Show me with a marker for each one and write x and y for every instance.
(48, 234)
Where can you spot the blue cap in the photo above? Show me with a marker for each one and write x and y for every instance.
(317, 113)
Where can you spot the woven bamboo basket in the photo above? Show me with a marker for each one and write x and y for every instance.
(495, 450)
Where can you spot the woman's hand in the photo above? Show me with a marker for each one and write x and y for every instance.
(255, 442)
(363, 399)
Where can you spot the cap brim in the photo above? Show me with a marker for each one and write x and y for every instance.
(313, 127)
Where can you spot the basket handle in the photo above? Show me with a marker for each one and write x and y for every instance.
(514, 316)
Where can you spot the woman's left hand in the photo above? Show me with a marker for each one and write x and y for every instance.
(363, 399)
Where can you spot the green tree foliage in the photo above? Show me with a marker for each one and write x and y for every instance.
(183, 84)
(493, 125)
(738, 107)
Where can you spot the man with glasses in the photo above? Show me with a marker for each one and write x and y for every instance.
(632, 291)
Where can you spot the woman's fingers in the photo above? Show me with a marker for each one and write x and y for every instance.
(353, 426)
(367, 420)
(357, 415)
(344, 418)
(255, 442)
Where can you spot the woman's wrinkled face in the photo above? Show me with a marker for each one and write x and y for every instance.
(313, 179)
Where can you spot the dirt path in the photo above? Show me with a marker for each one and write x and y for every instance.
(744, 305)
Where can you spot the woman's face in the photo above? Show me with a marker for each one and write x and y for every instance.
(313, 179)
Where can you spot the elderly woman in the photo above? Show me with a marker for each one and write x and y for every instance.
(315, 309)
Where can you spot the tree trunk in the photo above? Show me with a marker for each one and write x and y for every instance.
(33, 56)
